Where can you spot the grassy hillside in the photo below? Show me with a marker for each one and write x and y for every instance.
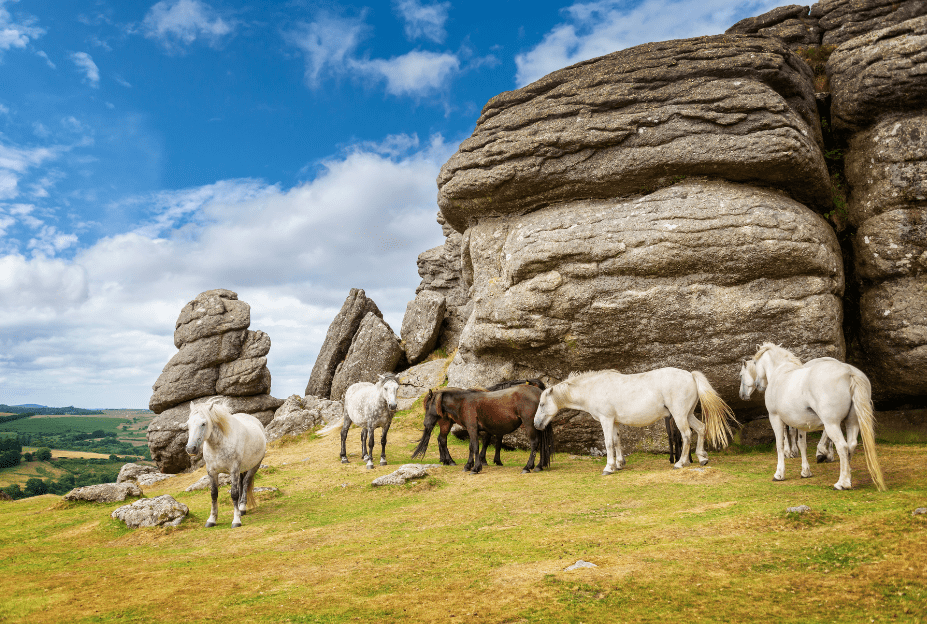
(709, 545)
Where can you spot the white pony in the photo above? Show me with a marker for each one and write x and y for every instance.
(820, 394)
(233, 444)
(640, 400)
(369, 406)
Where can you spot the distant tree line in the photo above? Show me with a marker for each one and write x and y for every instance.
(25, 412)
(10, 450)
(94, 442)
(80, 472)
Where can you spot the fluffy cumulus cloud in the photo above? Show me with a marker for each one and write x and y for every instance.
(85, 64)
(423, 20)
(416, 72)
(592, 29)
(176, 23)
(101, 323)
(327, 42)
(16, 33)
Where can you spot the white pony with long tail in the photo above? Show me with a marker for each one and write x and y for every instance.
(640, 400)
(233, 444)
(821, 394)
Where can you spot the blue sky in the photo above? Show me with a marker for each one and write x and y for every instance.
(284, 150)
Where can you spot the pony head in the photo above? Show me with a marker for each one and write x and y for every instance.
(547, 409)
(388, 386)
(748, 379)
(203, 418)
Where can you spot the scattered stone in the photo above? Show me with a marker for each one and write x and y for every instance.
(919, 511)
(149, 479)
(266, 489)
(581, 564)
(131, 472)
(148, 512)
(799, 510)
(405, 472)
(104, 492)
(203, 483)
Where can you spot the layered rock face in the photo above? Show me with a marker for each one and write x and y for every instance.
(734, 106)
(217, 356)
(374, 350)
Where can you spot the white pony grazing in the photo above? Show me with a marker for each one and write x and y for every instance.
(233, 444)
(820, 394)
(369, 406)
(640, 400)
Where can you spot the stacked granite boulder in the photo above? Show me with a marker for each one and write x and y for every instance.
(217, 356)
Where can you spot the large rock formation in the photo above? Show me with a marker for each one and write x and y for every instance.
(300, 414)
(791, 23)
(374, 350)
(338, 340)
(217, 356)
(843, 20)
(421, 324)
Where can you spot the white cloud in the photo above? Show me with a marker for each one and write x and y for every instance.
(100, 325)
(13, 34)
(327, 43)
(423, 20)
(15, 161)
(48, 61)
(415, 73)
(181, 22)
(85, 63)
(596, 28)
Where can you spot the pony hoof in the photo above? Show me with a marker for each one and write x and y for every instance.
(605, 473)
(538, 469)
(369, 466)
(778, 479)
(382, 462)
(242, 512)
(807, 476)
(821, 459)
(842, 488)
(209, 525)
(344, 460)
(235, 525)
(702, 462)
(525, 471)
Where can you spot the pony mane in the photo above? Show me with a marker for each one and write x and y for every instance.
(781, 351)
(217, 412)
(384, 377)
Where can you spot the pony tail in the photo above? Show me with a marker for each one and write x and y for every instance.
(717, 414)
(251, 502)
(861, 391)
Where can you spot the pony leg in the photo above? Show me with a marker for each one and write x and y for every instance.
(247, 483)
(443, 451)
(344, 437)
(779, 430)
(852, 425)
(802, 443)
(369, 440)
(483, 446)
(535, 439)
(835, 434)
(475, 465)
(619, 451)
(364, 456)
(825, 452)
(497, 460)
(214, 491)
(383, 443)
(608, 429)
(237, 493)
(699, 427)
(790, 442)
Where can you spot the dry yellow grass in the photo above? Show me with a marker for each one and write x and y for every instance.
(691, 545)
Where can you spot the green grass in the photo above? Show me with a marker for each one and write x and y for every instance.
(711, 545)
(61, 424)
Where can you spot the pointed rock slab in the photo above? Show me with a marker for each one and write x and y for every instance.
(738, 107)
(842, 20)
(103, 492)
(149, 512)
(338, 340)
(375, 350)
(881, 72)
(300, 414)
(421, 324)
(212, 312)
(439, 269)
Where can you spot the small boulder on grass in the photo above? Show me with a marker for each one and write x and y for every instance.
(103, 492)
(131, 472)
(149, 512)
(799, 510)
(405, 472)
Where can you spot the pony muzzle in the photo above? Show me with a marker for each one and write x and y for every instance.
(192, 451)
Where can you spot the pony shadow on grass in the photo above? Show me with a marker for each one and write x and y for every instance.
(493, 412)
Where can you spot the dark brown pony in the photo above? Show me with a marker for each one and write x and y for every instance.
(495, 413)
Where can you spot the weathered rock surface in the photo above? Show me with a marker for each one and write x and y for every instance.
(877, 73)
(891, 245)
(338, 340)
(103, 492)
(735, 106)
(374, 350)
(693, 276)
(212, 312)
(790, 23)
(131, 472)
(182, 383)
(405, 473)
(204, 483)
(842, 20)
(439, 269)
(416, 381)
(149, 479)
(300, 414)
(148, 512)
(886, 166)
(167, 434)
(243, 377)
(421, 324)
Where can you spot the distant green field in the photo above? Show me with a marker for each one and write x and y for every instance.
(63, 424)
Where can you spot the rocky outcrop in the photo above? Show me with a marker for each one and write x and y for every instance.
(842, 20)
(218, 356)
(103, 492)
(734, 106)
(419, 379)
(149, 512)
(406, 472)
(792, 24)
(131, 472)
(693, 276)
(374, 350)
(421, 324)
(439, 269)
(167, 434)
(879, 72)
(338, 341)
(300, 414)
